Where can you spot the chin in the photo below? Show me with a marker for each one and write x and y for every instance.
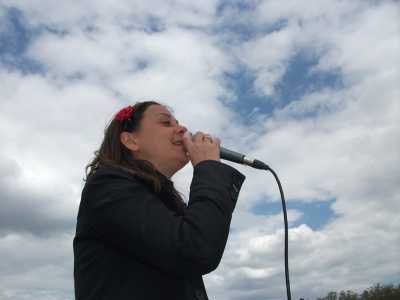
(182, 162)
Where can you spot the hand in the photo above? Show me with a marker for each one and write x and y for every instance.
(201, 147)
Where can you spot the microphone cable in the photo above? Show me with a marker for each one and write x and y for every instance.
(289, 297)
(257, 164)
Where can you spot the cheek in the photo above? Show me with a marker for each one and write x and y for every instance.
(162, 145)
(151, 147)
(159, 144)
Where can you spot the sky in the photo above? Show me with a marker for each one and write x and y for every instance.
(310, 87)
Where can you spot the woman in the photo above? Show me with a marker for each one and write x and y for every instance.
(135, 237)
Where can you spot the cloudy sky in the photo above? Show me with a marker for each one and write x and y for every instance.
(311, 87)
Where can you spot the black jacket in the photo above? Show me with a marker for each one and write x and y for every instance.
(129, 245)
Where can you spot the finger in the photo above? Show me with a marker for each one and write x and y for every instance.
(187, 139)
(198, 137)
(208, 138)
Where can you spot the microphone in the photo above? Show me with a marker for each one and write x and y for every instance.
(240, 158)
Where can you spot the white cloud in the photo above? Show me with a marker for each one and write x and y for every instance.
(36, 267)
(340, 144)
(269, 57)
(126, 13)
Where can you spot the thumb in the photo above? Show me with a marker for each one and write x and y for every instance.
(187, 139)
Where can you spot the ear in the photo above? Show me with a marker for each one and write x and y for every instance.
(129, 140)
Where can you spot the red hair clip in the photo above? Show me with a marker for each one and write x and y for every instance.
(124, 113)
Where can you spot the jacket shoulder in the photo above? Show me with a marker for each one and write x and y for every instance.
(109, 184)
(106, 172)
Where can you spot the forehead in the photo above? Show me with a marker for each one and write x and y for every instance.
(155, 111)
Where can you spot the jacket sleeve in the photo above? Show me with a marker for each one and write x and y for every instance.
(130, 217)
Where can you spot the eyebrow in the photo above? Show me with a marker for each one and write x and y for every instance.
(169, 116)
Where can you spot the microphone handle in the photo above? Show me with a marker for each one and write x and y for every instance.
(231, 155)
(242, 159)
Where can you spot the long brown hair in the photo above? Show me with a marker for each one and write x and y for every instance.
(114, 154)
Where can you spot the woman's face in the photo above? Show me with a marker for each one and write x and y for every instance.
(159, 140)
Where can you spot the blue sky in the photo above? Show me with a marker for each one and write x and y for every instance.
(14, 42)
(298, 80)
(314, 214)
(309, 87)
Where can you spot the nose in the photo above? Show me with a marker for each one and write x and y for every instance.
(180, 129)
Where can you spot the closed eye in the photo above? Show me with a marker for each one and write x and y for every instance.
(170, 123)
